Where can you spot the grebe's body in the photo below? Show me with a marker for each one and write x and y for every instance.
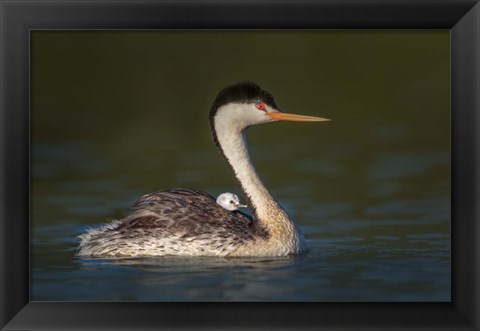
(191, 223)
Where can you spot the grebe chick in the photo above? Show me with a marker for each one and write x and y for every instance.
(230, 201)
(190, 222)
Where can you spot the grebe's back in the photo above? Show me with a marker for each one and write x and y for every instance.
(173, 222)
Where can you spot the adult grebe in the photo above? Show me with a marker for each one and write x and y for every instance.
(191, 223)
(230, 201)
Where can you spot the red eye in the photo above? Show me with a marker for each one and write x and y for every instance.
(261, 106)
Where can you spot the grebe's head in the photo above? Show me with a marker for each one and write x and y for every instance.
(229, 201)
(241, 105)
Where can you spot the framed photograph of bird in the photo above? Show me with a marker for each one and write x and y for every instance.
(140, 186)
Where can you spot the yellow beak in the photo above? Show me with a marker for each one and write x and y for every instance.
(295, 118)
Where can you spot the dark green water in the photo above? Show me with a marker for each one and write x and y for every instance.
(118, 114)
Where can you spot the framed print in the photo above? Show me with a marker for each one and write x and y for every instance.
(375, 219)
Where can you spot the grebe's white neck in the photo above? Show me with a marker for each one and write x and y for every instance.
(229, 125)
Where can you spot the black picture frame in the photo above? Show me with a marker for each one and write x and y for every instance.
(19, 17)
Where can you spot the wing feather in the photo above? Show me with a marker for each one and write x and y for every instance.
(172, 222)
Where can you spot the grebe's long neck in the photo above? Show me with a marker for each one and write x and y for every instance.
(235, 150)
(228, 130)
(229, 135)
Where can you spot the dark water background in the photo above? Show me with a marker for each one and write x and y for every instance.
(116, 114)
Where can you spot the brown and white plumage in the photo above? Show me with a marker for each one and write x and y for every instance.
(164, 222)
(190, 222)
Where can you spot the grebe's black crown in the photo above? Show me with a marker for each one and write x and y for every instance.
(243, 92)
